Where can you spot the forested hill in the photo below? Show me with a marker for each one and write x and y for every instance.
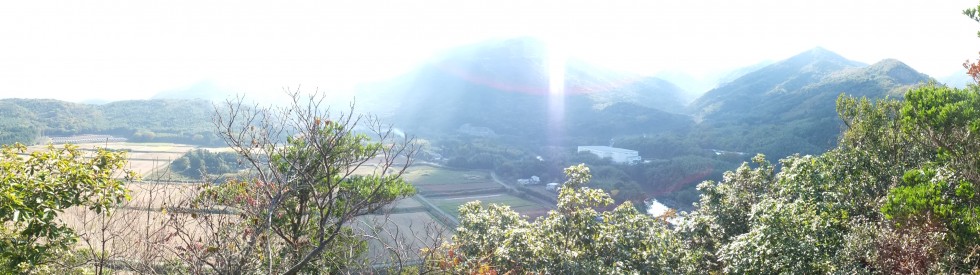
(178, 120)
(506, 86)
(742, 95)
(789, 107)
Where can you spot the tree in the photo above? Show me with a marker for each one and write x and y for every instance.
(181, 164)
(575, 238)
(305, 185)
(941, 192)
(895, 196)
(973, 68)
(39, 187)
(198, 161)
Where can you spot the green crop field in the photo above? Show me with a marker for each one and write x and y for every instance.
(523, 206)
(428, 175)
(443, 181)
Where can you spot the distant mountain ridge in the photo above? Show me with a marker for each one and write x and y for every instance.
(506, 86)
(789, 106)
(788, 75)
(815, 75)
(525, 65)
(206, 90)
(696, 86)
(959, 79)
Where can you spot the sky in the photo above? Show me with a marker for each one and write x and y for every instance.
(115, 50)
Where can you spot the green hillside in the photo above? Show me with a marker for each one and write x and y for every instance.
(187, 121)
(788, 107)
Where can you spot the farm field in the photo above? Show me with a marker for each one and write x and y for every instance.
(127, 232)
(155, 195)
(405, 224)
(138, 227)
(409, 224)
(525, 207)
(447, 189)
(405, 232)
(442, 181)
(144, 158)
(406, 203)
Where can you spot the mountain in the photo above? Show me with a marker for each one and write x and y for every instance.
(206, 90)
(695, 86)
(732, 75)
(505, 86)
(745, 93)
(959, 79)
(789, 106)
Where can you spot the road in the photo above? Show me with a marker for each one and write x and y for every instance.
(537, 200)
(445, 216)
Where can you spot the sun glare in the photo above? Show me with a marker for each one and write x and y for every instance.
(556, 86)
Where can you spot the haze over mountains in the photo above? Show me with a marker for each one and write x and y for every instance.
(507, 86)
(495, 105)
(813, 76)
(695, 86)
(778, 108)
(789, 106)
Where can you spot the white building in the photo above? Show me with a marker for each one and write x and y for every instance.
(657, 209)
(532, 181)
(618, 155)
(553, 186)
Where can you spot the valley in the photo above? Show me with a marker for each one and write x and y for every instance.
(490, 159)
(501, 89)
(492, 137)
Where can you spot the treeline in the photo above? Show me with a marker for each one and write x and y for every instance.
(160, 120)
(197, 163)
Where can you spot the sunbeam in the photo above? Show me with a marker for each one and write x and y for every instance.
(556, 89)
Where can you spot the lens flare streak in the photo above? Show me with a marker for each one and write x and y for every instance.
(556, 92)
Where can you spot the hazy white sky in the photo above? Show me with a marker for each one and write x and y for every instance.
(78, 50)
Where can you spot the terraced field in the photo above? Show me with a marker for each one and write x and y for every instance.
(144, 158)
(437, 181)
(525, 207)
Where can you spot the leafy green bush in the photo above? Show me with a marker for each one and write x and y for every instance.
(39, 187)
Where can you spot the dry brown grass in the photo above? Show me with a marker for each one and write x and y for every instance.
(137, 235)
(400, 237)
(152, 228)
(158, 195)
(140, 235)
(144, 158)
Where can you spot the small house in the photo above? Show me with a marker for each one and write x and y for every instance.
(531, 181)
